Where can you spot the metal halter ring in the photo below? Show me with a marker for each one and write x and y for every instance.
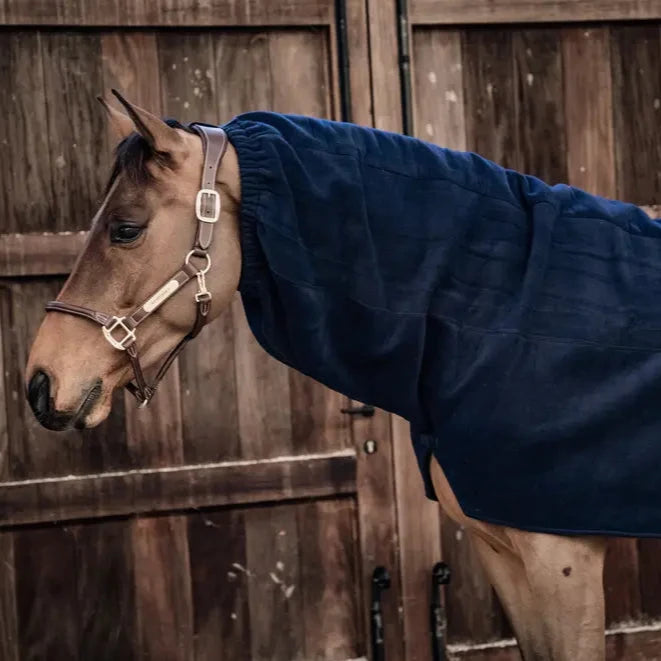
(129, 334)
(196, 253)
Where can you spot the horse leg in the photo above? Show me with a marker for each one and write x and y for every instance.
(550, 586)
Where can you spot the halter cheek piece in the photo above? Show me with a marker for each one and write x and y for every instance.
(120, 331)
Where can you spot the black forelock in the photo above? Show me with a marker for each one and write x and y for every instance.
(134, 153)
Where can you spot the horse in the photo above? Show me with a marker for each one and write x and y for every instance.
(156, 219)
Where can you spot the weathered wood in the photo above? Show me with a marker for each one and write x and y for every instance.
(377, 517)
(45, 253)
(46, 592)
(448, 12)
(157, 490)
(8, 622)
(439, 88)
(329, 579)
(492, 112)
(76, 136)
(418, 520)
(162, 588)
(589, 110)
(359, 58)
(104, 591)
(25, 163)
(637, 111)
(274, 587)
(219, 585)
(178, 13)
(539, 88)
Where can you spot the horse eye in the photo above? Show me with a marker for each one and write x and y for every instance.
(125, 233)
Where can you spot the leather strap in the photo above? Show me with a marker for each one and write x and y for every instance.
(207, 211)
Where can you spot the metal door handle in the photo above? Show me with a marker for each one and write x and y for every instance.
(365, 410)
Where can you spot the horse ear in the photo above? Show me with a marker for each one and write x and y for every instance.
(154, 130)
(121, 123)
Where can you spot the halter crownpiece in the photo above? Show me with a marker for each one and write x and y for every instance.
(120, 331)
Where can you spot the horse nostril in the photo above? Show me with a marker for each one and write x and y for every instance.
(39, 395)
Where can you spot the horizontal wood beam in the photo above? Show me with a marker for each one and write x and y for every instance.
(166, 13)
(466, 12)
(39, 254)
(177, 488)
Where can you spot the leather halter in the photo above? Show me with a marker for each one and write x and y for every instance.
(120, 331)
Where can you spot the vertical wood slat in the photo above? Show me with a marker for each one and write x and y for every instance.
(591, 165)
(163, 600)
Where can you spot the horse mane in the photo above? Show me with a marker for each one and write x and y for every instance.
(133, 154)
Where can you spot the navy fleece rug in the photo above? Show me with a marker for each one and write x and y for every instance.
(516, 325)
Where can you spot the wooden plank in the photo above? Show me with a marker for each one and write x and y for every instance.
(158, 490)
(329, 579)
(45, 253)
(589, 110)
(219, 585)
(71, 69)
(104, 591)
(359, 58)
(490, 101)
(25, 163)
(46, 592)
(177, 13)
(377, 522)
(448, 12)
(538, 70)
(162, 588)
(636, 52)
(418, 521)
(386, 91)
(8, 619)
(274, 586)
(439, 87)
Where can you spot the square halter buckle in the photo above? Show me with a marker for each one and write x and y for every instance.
(124, 342)
(207, 205)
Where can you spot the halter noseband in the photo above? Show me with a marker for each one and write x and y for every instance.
(207, 212)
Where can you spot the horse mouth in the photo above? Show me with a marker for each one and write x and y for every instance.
(87, 405)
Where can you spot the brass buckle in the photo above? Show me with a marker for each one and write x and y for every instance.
(129, 335)
(204, 196)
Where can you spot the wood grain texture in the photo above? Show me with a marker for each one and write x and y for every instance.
(636, 51)
(539, 88)
(439, 87)
(419, 528)
(104, 591)
(329, 579)
(156, 490)
(359, 58)
(274, 589)
(377, 521)
(25, 182)
(45, 253)
(178, 13)
(531, 11)
(46, 591)
(589, 110)
(490, 99)
(9, 643)
(162, 588)
(219, 585)
(77, 137)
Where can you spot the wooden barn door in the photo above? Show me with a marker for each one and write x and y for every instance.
(570, 92)
(238, 517)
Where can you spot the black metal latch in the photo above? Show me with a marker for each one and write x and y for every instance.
(438, 621)
(365, 410)
(380, 582)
